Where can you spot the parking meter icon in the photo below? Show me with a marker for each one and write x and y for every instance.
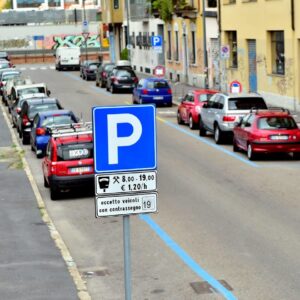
(103, 182)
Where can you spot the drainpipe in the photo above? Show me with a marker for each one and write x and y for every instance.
(204, 44)
(220, 43)
(295, 55)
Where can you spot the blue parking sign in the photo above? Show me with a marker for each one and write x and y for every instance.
(156, 41)
(124, 138)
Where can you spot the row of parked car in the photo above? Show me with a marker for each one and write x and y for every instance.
(244, 119)
(53, 133)
(120, 77)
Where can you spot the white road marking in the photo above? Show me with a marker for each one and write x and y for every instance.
(33, 68)
(166, 112)
(43, 68)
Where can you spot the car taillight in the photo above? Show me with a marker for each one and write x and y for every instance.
(40, 131)
(114, 79)
(144, 92)
(135, 80)
(228, 118)
(18, 110)
(53, 167)
(104, 74)
(25, 120)
(169, 91)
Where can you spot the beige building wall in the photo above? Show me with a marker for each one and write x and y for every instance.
(255, 20)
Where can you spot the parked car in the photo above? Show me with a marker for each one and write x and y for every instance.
(17, 105)
(4, 56)
(102, 73)
(42, 123)
(123, 79)
(88, 69)
(222, 110)
(5, 76)
(29, 109)
(152, 90)
(267, 131)
(20, 90)
(190, 106)
(69, 162)
(5, 64)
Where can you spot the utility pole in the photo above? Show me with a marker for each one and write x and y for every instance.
(204, 44)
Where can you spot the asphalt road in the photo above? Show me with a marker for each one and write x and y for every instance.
(217, 213)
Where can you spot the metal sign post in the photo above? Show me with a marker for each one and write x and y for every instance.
(125, 166)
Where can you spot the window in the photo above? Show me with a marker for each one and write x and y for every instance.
(277, 52)
(211, 3)
(193, 53)
(246, 103)
(169, 54)
(232, 40)
(176, 47)
(276, 123)
(116, 4)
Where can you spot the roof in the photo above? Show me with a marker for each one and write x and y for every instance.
(36, 95)
(42, 100)
(155, 79)
(242, 95)
(205, 91)
(272, 111)
(28, 86)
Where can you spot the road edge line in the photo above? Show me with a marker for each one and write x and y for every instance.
(80, 284)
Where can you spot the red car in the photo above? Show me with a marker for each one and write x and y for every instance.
(267, 131)
(190, 107)
(69, 159)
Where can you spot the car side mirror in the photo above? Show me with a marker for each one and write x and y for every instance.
(48, 93)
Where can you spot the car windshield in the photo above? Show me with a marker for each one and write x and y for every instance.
(34, 109)
(204, 97)
(94, 66)
(157, 84)
(32, 90)
(273, 123)
(246, 103)
(75, 151)
(57, 120)
(4, 65)
(5, 77)
(108, 68)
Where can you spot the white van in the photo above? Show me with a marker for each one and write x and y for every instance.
(67, 58)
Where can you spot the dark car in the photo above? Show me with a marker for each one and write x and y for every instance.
(43, 122)
(152, 90)
(28, 111)
(121, 80)
(102, 73)
(69, 160)
(88, 69)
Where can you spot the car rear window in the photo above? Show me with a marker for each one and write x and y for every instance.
(108, 68)
(32, 90)
(57, 120)
(204, 97)
(75, 151)
(93, 66)
(10, 75)
(273, 123)
(157, 84)
(34, 109)
(124, 73)
(246, 103)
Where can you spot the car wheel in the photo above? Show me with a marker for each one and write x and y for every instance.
(179, 119)
(192, 124)
(202, 130)
(25, 140)
(296, 155)
(250, 154)
(46, 184)
(112, 90)
(54, 193)
(235, 146)
(102, 84)
(218, 134)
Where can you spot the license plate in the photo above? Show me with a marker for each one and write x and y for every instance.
(80, 169)
(78, 153)
(158, 98)
(126, 86)
(279, 137)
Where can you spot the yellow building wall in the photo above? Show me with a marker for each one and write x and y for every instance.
(253, 20)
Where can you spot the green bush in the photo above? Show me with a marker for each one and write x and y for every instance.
(124, 54)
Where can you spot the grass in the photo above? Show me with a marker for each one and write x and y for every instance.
(12, 156)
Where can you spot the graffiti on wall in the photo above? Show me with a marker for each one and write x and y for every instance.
(14, 43)
(74, 40)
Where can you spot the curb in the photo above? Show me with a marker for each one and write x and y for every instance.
(70, 263)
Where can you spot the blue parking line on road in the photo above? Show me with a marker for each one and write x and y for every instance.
(72, 76)
(187, 259)
(204, 140)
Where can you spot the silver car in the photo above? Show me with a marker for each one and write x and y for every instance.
(223, 110)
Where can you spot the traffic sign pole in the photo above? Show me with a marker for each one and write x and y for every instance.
(127, 256)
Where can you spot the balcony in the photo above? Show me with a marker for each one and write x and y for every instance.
(186, 12)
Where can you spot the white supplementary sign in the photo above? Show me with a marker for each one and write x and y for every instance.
(133, 182)
(125, 205)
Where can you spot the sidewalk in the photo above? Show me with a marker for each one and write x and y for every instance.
(31, 266)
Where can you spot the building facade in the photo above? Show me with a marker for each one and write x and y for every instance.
(264, 41)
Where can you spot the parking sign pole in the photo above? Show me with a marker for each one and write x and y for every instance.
(127, 257)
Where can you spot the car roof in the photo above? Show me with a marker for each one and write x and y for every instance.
(241, 95)
(28, 86)
(35, 95)
(86, 137)
(11, 71)
(41, 100)
(55, 112)
(205, 91)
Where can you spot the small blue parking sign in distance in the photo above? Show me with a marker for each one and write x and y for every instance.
(124, 138)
